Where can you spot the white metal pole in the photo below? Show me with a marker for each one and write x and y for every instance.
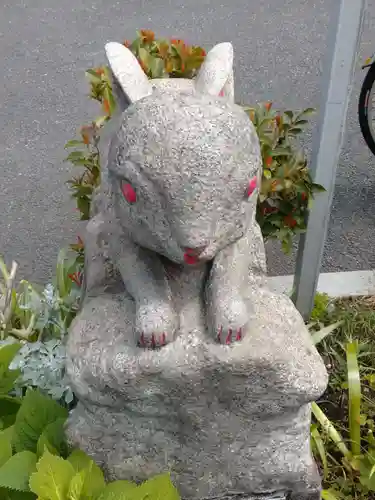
(344, 33)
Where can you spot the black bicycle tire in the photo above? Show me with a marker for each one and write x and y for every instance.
(364, 124)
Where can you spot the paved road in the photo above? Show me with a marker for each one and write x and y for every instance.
(46, 45)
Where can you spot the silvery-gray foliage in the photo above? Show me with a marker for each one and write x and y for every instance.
(42, 366)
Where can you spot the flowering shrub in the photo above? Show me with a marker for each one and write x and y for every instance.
(287, 188)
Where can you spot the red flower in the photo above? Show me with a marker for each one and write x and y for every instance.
(290, 221)
(269, 161)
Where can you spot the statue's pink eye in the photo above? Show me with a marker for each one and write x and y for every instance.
(128, 192)
(252, 186)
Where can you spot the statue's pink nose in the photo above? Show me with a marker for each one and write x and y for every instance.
(191, 255)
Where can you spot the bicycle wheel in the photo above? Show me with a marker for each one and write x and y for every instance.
(366, 109)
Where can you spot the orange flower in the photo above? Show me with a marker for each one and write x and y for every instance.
(148, 36)
(269, 161)
(182, 67)
(127, 43)
(86, 133)
(278, 120)
(268, 105)
(106, 107)
(99, 71)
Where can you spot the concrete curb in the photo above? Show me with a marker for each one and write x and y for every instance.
(342, 284)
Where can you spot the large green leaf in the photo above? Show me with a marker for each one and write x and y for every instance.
(53, 438)
(36, 412)
(52, 479)
(118, 490)
(5, 448)
(87, 484)
(15, 473)
(157, 488)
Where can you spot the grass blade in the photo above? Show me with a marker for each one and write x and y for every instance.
(354, 386)
(324, 332)
(319, 445)
(331, 431)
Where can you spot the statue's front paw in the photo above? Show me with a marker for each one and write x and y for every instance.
(156, 324)
(229, 316)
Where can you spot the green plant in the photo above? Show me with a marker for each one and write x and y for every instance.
(29, 312)
(287, 188)
(37, 462)
(342, 436)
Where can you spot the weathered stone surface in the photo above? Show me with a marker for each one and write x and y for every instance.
(174, 256)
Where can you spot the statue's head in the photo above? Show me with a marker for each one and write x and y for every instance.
(185, 164)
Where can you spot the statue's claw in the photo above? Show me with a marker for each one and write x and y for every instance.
(230, 336)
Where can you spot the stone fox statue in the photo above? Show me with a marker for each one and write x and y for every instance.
(175, 261)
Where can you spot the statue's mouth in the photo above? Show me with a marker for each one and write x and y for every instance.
(192, 256)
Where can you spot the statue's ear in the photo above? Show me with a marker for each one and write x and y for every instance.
(215, 76)
(130, 82)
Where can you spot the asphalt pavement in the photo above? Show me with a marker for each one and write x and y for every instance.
(45, 47)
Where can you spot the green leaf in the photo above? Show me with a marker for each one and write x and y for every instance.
(156, 67)
(330, 430)
(307, 111)
(5, 448)
(317, 188)
(330, 495)
(157, 488)
(36, 412)
(53, 438)
(9, 406)
(321, 334)
(354, 392)
(7, 376)
(318, 442)
(289, 114)
(53, 477)
(15, 495)
(75, 155)
(79, 460)
(93, 76)
(88, 483)
(118, 490)
(73, 143)
(15, 473)
(295, 130)
(301, 122)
